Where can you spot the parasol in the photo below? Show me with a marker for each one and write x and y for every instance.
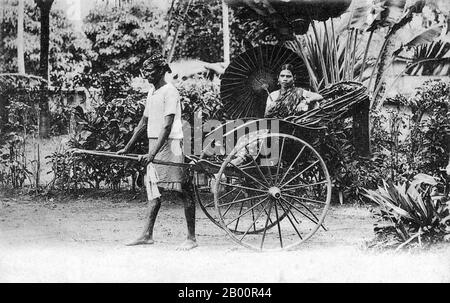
(252, 75)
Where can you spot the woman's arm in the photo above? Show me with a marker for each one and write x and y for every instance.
(312, 99)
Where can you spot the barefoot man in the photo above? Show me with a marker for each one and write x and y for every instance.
(162, 120)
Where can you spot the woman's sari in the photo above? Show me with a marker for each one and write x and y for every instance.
(290, 102)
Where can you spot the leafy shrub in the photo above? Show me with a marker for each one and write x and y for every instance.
(349, 172)
(20, 115)
(60, 116)
(199, 94)
(13, 164)
(202, 39)
(429, 151)
(121, 38)
(107, 128)
(403, 144)
(408, 211)
(424, 148)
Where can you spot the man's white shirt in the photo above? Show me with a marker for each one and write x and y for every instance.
(160, 103)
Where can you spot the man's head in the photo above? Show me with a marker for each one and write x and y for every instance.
(154, 68)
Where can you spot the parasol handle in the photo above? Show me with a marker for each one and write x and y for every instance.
(266, 88)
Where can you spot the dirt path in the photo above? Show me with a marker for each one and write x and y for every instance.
(81, 240)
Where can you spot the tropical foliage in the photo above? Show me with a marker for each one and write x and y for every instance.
(121, 39)
(19, 122)
(423, 148)
(343, 49)
(199, 31)
(108, 127)
(403, 144)
(14, 169)
(200, 95)
(410, 211)
(67, 48)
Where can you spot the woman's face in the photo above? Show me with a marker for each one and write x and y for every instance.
(286, 78)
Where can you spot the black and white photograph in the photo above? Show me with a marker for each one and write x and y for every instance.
(198, 142)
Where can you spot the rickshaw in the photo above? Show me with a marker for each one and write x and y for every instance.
(262, 180)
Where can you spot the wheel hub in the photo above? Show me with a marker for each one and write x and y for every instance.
(275, 192)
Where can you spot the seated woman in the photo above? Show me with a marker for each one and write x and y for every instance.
(288, 100)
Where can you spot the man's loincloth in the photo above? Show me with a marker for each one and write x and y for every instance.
(169, 177)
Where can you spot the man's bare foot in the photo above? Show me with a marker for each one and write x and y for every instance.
(141, 241)
(187, 245)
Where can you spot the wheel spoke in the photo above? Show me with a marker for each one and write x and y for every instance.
(221, 197)
(245, 212)
(279, 160)
(269, 173)
(240, 212)
(226, 210)
(297, 209)
(203, 188)
(209, 204)
(253, 217)
(224, 195)
(293, 178)
(279, 227)
(250, 176)
(242, 200)
(271, 222)
(244, 187)
(293, 216)
(306, 199)
(289, 218)
(234, 199)
(257, 167)
(310, 211)
(265, 227)
(304, 185)
(292, 164)
(254, 220)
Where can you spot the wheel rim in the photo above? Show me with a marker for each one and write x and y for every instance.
(276, 204)
(206, 200)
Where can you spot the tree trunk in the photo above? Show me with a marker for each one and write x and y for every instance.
(185, 8)
(3, 112)
(20, 45)
(385, 60)
(44, 112)
(226, 33)
(3, 95)
(361, 129)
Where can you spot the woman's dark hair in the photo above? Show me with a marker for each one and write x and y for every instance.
(288, 67)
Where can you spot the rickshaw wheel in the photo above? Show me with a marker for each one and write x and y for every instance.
(288, 193)
(206, 200)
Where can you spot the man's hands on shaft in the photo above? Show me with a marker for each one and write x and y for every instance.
(146, 159)
(143, 159)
